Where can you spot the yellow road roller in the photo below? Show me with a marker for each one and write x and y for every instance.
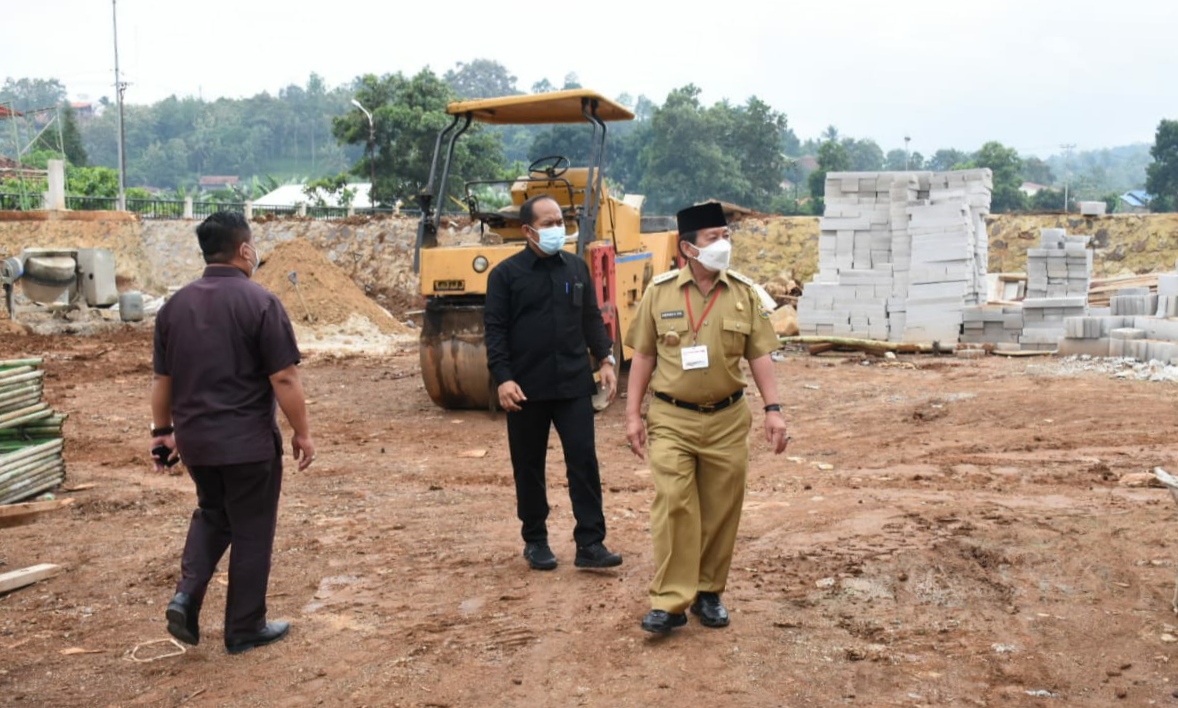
(603, 229)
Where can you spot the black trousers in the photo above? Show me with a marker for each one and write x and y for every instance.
(527, 436)
(237, 505)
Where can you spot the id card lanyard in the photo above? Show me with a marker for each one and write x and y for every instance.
(691, 317)
(696, 356)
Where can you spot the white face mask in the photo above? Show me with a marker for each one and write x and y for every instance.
(551, 239)
(716, 256)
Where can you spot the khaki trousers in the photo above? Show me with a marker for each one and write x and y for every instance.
(699, 462)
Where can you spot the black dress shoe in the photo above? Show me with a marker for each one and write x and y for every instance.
(710, 610)
(273, 632)
(183, 619)
(662, 622)
(539, 556)
(596, 555)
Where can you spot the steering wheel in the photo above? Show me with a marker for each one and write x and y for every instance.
(552, 165)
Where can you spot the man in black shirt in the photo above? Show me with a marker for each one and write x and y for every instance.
(541, 311)
(225, 351)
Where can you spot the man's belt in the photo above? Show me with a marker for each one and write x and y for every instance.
(702, 407)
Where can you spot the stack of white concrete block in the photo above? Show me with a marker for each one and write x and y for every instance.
(901, 254)
(992, 324)
(1167, 295)
(1129, 327)
(1058, 276)
(1134, 302)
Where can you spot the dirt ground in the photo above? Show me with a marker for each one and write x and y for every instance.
(940, 532)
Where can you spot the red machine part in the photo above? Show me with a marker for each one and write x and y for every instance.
(602, 270)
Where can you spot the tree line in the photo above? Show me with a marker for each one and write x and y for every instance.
(675, 152)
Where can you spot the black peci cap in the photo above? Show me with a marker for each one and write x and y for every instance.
(708, 215)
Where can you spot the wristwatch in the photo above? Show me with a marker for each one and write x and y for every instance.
(159, 432)
(773, 407)
(610, 360)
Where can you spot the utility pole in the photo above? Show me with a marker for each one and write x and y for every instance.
(1067, 152)
(119, 88)
(906, 153)
(371, 155)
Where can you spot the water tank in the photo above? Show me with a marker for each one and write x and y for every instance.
(131, 306)
(97, 269)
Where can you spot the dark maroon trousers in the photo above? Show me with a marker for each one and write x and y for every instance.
(237, 505)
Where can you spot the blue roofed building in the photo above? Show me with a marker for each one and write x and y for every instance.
(1135, 201)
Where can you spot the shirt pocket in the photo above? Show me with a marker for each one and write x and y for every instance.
(677, 329)
(735, 336)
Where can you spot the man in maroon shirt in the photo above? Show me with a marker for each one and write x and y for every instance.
(225, 351)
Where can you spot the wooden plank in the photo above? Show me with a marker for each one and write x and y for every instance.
(27, 576)
(18, 514)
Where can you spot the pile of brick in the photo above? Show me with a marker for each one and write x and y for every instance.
(1058, 276)
(901, 254)
(1136, 325)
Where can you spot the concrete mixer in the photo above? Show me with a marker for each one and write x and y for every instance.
(60, 278)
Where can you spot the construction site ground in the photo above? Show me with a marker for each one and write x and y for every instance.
(940, 532)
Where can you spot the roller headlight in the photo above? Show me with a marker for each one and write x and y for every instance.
(480, 264)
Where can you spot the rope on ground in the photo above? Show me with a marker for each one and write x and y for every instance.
(181, 650)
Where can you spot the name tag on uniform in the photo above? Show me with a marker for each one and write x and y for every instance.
(695, 357)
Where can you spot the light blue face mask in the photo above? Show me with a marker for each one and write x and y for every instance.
(551, 239)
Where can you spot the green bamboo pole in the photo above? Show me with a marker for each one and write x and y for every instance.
(6, 387)
(6, 374)
(30, 486)
(7, 363)
(6, 380)
(16, 403)
(30, 418)
(25, 411)
(34, 488)
(23, 467)
(30, 432)
(50, 446)
(39, 487)
(28, 471)
(36, 387)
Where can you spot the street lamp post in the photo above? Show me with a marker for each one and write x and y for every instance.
(371, 154)
(119, 88)
(906, 153)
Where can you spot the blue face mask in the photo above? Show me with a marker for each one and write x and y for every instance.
(551, 239)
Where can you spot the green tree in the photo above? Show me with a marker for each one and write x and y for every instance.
(1161, 177)
(1047, 200)
(754, 136)
(1006, 167)
(866, 155)
(32, 94)
(684, 163)
(832, 157)
(543, 86)
(896, 160)
(92, 182)
(481, 78)
(408, 113)
(947, 159)
(1037, 171)
(71, 137)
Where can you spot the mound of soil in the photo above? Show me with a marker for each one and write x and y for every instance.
(328, 295)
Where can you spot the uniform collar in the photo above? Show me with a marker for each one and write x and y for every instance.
(224, 271)
(686, 276)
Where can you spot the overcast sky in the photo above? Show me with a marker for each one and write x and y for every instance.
(1031, 74)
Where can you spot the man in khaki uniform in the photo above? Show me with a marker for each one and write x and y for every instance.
(692, 329)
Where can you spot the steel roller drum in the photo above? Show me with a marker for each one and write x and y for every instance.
(454, 356)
